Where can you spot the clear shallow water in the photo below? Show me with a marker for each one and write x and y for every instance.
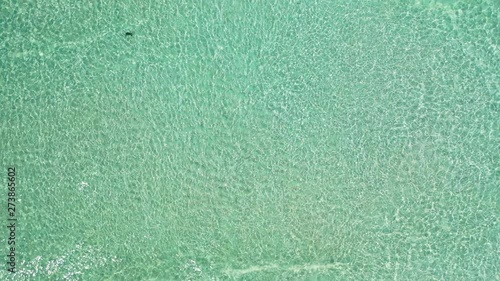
(322, 140)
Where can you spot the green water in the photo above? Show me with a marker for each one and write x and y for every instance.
(252, 140)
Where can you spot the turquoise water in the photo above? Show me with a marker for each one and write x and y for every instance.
(252, 140)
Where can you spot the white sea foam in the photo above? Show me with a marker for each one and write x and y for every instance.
(293, 268)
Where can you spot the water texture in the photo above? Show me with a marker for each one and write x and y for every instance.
(252, 140)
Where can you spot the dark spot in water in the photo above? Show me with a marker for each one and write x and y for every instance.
(129, 34)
